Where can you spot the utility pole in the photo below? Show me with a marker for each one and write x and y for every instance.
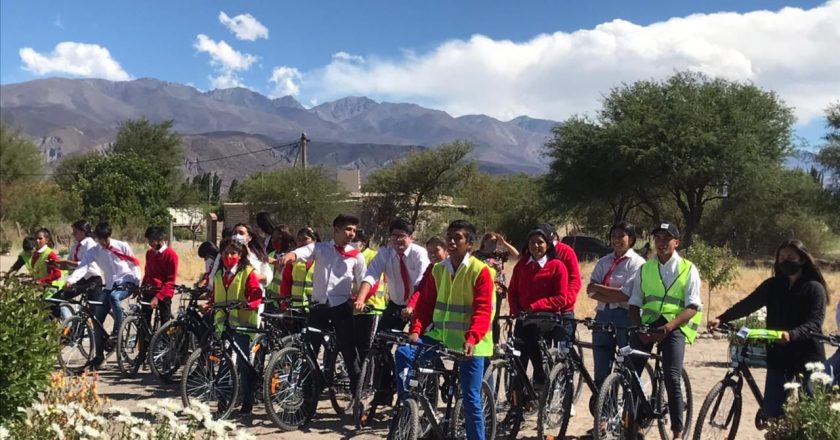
(303, 141)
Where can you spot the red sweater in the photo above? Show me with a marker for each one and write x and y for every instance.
(482, 306)
(567, 255)
(542, 289)
(53, 272)
(161, 270)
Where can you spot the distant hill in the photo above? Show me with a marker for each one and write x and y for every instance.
(67, 116)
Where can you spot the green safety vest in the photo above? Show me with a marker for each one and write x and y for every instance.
(235, 293)
(453, 307)
(668, 301)
(378, 299)
(272, 290)
(39, 269)
(302, 275)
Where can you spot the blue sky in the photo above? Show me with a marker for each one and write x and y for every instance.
(542, 58)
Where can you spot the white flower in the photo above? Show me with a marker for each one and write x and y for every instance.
(139, 434)
(792, 386)
(821, 378)
(215, 427)
(118, 410)
(169, 404)
(194, 414)
(815, 366)
(227, 426)
(59, 434)
(835, 406)
(181, 430)
(91, 432)
(242, 435)
(4, 433)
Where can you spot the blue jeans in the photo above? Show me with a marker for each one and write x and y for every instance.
(774, 392)
(604, 352)
(471, 375)
(832, 366)
(118, 293)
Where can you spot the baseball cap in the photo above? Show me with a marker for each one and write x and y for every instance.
(670, 228)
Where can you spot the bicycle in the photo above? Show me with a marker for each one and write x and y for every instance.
(135, 333)
(211, 374)
(294, 380)
(378, 360)
(78, 340)
(623, 409)
(721, 409)
(405, 424)
(175, 341)
(833, 340)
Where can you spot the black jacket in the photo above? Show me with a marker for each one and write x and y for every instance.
(798, 309)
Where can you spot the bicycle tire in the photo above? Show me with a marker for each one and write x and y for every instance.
(430, 384)
(578, 377)
(365, 390)
(558, 385)
(169, 349)
(458, 428)
(688, 404)
(211, 377)
(713, 406)
(339, 389)
(290, 388)
(509, 402)
(78, 344)
(406, 422)
(130, 353)
(614, 401)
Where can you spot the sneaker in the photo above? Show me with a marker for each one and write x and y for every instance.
(572, 411)
(246, 410)
(95, 364)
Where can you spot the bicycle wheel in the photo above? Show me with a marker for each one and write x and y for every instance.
(720, 413)
(664, 423)
(132, 341)
(614, 414)
(556, 403)
(366, 388)
(290, 388)
(578, 377)
(458, 429)
(211, 377)
(78, 344)
(405, 424)
(339, 389)
(430, 385)
(508, 397)
(169, 348)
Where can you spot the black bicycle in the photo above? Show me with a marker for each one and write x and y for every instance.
(720, 413)
(135, 333)
(451, 424)
(78, 339)
(624, 409)
(175, 341)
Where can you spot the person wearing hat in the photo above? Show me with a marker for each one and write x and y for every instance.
(665, 294)
(540, 283)
(611, 273)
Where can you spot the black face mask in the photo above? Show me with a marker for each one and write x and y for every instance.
(790, 268)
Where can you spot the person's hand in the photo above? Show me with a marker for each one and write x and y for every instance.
(359, 305)
(204, 307)
(67, 285)
(153, 303)
(244, 305)
(785, 338)
(289, 257)
(712, 325)
(407, 313)
(202, 283)
(413, 338)
(469, 349)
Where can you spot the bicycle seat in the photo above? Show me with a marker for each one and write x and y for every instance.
(630, 351)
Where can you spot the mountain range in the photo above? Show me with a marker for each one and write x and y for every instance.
(66, 116)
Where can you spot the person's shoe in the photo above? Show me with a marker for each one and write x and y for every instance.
(95, 364)
(246, 409)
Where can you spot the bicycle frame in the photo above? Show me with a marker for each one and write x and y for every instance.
(450, 376)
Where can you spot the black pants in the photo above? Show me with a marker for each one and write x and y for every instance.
(100, 312)
(497, 328)
(164, 310)
(92, 286)
(673, 353)
(365, 328)
(392, 317)
(528, 333)
(340, 318)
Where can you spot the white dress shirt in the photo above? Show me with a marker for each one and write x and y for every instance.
(621, 274)
(541, 262)
(114, 269)
(387, 261)
(333, 276)
(668, 272)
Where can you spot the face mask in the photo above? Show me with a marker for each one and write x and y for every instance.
(790, 268)
(230, 262)
(240, 238)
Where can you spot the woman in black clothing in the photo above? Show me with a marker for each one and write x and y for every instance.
(795, 298)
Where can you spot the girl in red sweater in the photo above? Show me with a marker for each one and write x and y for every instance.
(540, 284)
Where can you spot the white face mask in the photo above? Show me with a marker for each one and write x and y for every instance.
(240, 238)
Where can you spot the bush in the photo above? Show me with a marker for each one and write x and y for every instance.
(814, 417)
(28, 346)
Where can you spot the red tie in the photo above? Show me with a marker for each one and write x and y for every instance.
(76, 251)
(404, 276)
(124, 257)
(346, 254)
(616, 262)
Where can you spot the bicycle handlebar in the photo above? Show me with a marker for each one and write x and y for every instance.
(829, 339)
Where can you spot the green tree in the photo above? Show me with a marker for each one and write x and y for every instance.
(19, 157)
(34, 204)
(684, 142)
(156, 144)
(311, 198)
(422, 177)
(234, 191)
(201, 189)
(829, 155)
(717, 266)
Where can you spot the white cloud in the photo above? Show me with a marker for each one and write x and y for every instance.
(222, 55)
(244, 26)
(791, 51)
(286, 81)
(77, 59)
(226, 80)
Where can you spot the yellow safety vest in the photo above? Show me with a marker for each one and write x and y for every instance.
(39, 269)
(234, 293)
(272, 290)
(378, 300)
(669, 301)
(453, 308)
(302, 275)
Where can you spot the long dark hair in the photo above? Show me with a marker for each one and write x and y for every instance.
(239, 248)
(253, 245)
(309, 232)
(287, 240)
(47, 234)
(810, 271)
(84, 226)
(550, 253)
